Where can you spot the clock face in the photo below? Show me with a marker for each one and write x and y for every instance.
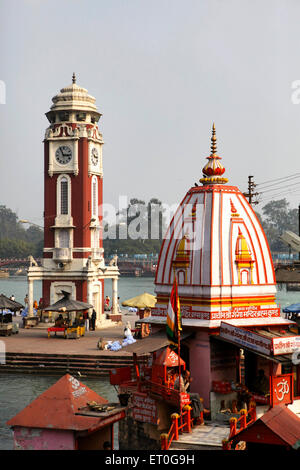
(94, 156)
(63, 154)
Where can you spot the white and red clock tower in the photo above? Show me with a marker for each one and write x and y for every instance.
(73, 258)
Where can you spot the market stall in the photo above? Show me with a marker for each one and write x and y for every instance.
(69, 318)
(7, 307)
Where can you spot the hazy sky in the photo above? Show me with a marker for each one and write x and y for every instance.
(161, 71)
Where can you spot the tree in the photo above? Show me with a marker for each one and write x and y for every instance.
(139, 229)
(277, 218)
(15, 241)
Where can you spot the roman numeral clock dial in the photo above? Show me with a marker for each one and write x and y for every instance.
(94, 156)
(63, 154)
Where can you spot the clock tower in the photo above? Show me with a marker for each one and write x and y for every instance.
(73, 258)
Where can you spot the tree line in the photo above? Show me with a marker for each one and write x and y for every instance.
(17, 242)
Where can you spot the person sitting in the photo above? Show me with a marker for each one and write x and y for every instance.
(59, 322)
(180, 383)
(196, 403)
(127, 330)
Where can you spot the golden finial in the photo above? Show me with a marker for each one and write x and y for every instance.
(73, 78)
(213, 141)
(213, 170)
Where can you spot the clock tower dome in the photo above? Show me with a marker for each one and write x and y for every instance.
(73, 258)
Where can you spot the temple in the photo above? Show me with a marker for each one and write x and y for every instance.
(235, 343)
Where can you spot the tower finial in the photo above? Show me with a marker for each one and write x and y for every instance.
(213, 146)
(73, 78)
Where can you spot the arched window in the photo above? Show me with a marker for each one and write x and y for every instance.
(244, 276)
(64, 206)
(181, 277)
(63, 195)
(94, 196)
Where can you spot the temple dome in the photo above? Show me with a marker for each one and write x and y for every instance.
(227, 269)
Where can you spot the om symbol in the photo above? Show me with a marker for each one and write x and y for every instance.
(282, 389)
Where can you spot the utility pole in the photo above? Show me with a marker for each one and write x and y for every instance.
(250, 194)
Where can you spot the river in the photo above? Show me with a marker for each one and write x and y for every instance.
(18, 390)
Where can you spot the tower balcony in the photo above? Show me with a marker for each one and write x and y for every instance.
(63, 255)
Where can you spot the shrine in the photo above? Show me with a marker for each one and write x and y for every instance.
(67, 416)
(238, 348)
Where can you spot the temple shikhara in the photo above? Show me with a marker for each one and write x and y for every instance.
(234, 341)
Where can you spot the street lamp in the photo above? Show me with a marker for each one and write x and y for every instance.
(24, 221)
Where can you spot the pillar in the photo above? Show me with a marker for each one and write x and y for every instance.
(114, 295)
(30, 297)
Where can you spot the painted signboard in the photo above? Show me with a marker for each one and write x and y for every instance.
(286, 345)
(253, 311)
(245, 338)
(144, 408)
(281, 389)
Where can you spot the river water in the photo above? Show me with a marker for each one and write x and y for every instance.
(18, 390)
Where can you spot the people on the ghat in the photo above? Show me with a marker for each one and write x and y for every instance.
(86, 320)
(106, 303)
(59, 322)
(127, 330)
(118, 306)
(93, 320)
(261, 384)
(35, 305)
(26, 300)
(182, 383)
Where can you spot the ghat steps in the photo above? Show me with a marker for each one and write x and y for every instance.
(57, 364)
(207, 437)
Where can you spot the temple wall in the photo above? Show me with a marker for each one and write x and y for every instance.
(200, 366)
(135, 435)
(43, 439)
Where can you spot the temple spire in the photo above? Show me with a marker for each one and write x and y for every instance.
(213, 170)
(73, 78)
(213, 142)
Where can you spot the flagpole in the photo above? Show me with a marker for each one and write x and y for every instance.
(178, 335)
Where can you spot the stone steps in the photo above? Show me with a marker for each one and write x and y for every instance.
(208, 437)
(92, 366)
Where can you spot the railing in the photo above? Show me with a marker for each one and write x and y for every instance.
(238, 424)
(182, 422)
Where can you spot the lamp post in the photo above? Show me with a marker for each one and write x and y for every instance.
(24, 221)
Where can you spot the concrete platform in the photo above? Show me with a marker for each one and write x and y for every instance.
(35, 340)
(207, 437)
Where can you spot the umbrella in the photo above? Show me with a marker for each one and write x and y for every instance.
(5, 303)
(68, 305)
(294, 308)
(144, 300)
